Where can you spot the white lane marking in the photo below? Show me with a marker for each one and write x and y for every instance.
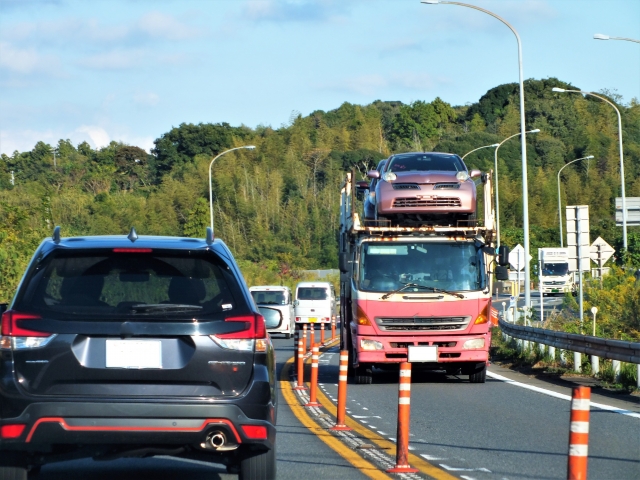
(187, 460)
(363, 421)
(364, 408)
(467, 478)
(457, 469)
(393, 439)
(382, 433)
(366, 416)
(411, 448)
(431, 457)
(562, 395)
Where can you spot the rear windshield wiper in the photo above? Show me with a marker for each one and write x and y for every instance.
(163, 307)
(415, 285)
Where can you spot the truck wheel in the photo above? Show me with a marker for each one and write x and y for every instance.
(479, 376)
(364, 374)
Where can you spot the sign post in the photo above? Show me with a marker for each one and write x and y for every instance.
(578, 244)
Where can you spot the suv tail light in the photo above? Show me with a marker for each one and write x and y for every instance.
(255, 334)
(17, 336)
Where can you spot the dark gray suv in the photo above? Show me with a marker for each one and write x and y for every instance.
(121, 346)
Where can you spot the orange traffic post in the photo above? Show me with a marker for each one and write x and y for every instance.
(313, 393)
(333, 328)
(342, 392)
(312, 336)
(296, 338)
(404, 409)
(300, 379)
(579, 434)
(304, 339)
(322, 334)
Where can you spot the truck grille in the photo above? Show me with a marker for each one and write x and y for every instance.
(412, 202)
(553, 283)
(413, 324)
(406, 186)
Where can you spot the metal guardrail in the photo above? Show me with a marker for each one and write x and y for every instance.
(600, 347)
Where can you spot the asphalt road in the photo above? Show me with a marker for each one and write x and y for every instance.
(495, 430)
(301, 455)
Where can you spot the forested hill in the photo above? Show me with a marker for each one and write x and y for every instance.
(277, 206)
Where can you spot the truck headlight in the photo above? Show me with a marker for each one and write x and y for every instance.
(475, 343)
(372, 344)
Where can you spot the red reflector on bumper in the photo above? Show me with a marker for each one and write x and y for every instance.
(254, 432)
(12, 431)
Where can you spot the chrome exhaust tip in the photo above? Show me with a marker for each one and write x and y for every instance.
(216, 440)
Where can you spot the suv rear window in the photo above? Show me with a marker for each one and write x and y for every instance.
(312, 293)
(106, 282)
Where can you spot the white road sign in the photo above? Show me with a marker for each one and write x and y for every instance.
(600, 251)
(516, 258)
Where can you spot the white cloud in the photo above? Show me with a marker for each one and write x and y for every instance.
(23, 140)
(26, 60)
(295, 10)
(98, 136)
(160, 25)
(114, 60)
(148, 99)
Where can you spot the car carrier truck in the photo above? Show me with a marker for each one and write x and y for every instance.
(420, 292)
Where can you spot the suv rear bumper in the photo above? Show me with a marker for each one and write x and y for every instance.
(60, 423)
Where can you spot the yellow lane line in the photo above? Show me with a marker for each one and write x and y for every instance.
(336, 445)
(388, 445)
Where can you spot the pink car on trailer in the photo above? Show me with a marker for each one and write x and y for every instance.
(425, 187)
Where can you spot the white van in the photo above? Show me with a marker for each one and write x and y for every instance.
(276, 306)
(315, 302)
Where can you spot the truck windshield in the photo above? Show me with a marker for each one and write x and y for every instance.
(555, 269)
(384, 267)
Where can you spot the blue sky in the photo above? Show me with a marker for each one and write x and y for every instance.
(129, 70)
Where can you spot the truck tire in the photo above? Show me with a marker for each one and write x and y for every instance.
(364, 374)
(479, 376)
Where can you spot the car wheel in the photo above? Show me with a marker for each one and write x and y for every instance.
(13, 473)
(259, 466)
(478, 377)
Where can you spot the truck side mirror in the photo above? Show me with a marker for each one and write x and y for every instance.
(343, 262)
(503, 255)
(502, 273)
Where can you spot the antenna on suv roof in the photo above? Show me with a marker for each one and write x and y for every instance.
(209, 237)
(133, 236)
(56, 234)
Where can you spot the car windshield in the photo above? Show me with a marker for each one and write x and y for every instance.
(445, 266)
(422, 162)
(266, 297)
(125, 284)
(555, 268)
(312, 293)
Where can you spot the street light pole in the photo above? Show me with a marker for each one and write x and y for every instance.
(485, 146)
(600, 36)
(624, 201)
(559, 204)
(523, 145)
(248, 147)
(536, 130)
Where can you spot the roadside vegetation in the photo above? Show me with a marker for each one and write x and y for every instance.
(277, 207)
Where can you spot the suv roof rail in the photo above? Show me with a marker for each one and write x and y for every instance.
(56, 234)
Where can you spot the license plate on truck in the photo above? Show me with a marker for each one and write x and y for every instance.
(134, 354)
(422, 353)
(313, 319)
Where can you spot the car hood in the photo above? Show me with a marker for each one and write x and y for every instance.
(425, 177)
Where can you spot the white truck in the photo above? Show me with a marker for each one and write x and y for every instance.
(554, 274)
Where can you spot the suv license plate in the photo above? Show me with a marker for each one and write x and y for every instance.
(134, 354)
(422, 353)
